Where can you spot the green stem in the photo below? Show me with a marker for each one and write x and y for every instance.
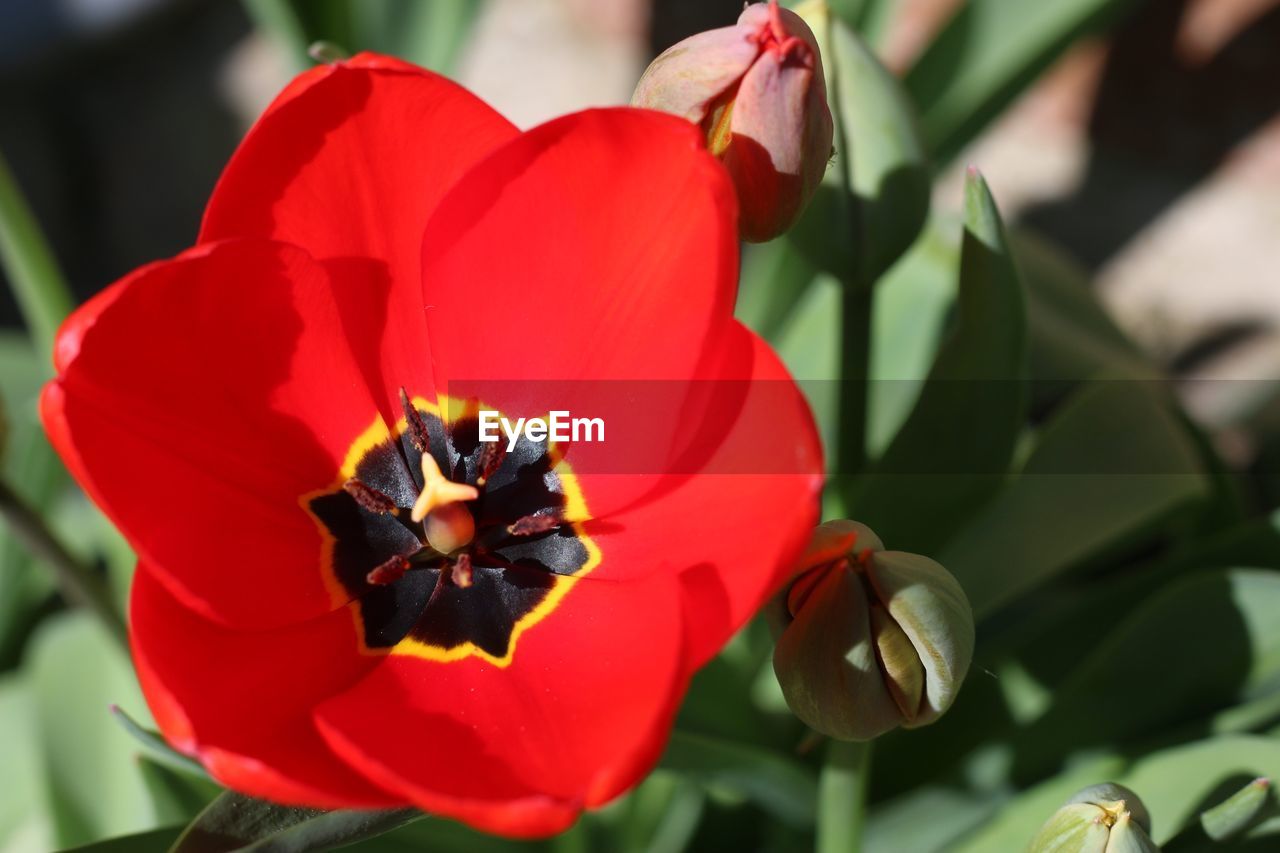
(79, 583)
(842, 797)
(857, 292)
(37, 283)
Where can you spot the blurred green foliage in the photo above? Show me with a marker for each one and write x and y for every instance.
(1129, 622)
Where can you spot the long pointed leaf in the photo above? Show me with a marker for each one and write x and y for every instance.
(236, 822)
(955, 447)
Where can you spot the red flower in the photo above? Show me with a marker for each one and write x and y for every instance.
(519, 653)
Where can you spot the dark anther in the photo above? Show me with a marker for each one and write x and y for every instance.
(461, 573)
(531, 525)
(368, 497)
(389, 572)
(491, 456)
(417, 426)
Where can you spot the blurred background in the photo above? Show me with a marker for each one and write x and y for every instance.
(1135, 143)
(1149, 150)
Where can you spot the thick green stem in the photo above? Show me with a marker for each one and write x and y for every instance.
(842, 797)
(857, 291)
(78, 582)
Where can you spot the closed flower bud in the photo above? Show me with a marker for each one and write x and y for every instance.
(758, 91)
(874, 639)
(1105, 818)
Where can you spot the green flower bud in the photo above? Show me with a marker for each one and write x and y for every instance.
(873, 639)
(1105, 818)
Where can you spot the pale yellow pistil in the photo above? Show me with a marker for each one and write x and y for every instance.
(447, 523)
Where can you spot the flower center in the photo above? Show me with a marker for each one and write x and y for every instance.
(452, 546)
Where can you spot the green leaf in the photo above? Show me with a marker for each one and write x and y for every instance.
(35, 472)
(926, 818)
(95, 788)
(1124, 690)
(988, 53)
(912, 303)
(156, 748)
(661, 814)
(953, 450)
(1234, 815)
(1109, 469)
(33, 273)
(879, 156)
(1175, 784)
(236, 822)
(778, 786)
(442, 836)
(24, 808)
(869, 18)
(155, 841)
(775, 278)
(1072, 337)
(177, 797)
(1255, 542)
(809, 344)
(429, 34)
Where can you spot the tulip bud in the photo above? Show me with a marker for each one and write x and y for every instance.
(758, 91)
(1106, 818)
(876, 639)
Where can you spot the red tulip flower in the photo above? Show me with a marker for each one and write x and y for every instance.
(342, 598)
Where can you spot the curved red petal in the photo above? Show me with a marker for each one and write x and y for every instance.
(242, 702)
(601, 245)
(733, 531)
(349, 163)
(580, 714)
(200, 407)
(591, 255)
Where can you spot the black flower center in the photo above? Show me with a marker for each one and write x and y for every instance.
(482, 566)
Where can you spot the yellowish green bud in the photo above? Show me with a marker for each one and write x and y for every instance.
(1105, 818)
(872, 639)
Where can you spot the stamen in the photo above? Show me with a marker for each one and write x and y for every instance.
(417, 426)
(491, 457)
(531, 525)
(461, 574)
(389, 572)
(368, 497)
(438, 491)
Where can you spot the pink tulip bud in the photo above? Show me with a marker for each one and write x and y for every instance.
(758, 91)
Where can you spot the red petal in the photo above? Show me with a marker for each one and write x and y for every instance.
(242, 702)
(601, 245)
(200, 406)
(349, 163)
(733, 532)
(580, 714)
